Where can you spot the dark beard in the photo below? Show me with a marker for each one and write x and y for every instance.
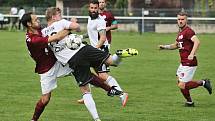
(93, 15)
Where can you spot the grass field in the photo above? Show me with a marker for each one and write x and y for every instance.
(149, 78)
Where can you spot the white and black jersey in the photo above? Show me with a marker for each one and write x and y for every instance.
(61, 51)
(93, 28)
(79, 60)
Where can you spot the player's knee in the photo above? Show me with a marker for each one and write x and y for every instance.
(85, 89)
(181, 85)
(109, 61)
(103, 76)
(45, 99)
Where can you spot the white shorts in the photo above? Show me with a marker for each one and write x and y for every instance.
(186, 73)
(48, 80)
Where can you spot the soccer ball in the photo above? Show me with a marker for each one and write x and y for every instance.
(73, 41)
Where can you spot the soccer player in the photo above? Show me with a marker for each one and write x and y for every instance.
(96, 29)
(81, 59)
(47, 65)
(111, 22)
(187, 42)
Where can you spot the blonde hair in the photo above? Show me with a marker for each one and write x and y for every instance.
(51, 11)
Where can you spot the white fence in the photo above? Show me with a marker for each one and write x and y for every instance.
(149, 24)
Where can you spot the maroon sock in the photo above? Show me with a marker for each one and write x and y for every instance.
(38, 110)
(186, 94)
(193, 84)
(96, 81)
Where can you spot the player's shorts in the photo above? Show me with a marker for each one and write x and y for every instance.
(48, 80)
(85, 58)
(185, 73)
(104, 67)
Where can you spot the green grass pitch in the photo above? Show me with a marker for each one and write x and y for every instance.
(149, 78)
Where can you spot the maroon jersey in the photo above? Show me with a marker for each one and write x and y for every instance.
(109, 18)
(185, 45)
(40, 52)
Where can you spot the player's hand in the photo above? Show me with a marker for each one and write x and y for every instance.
(161, 47)
(73, 19)
(190, 57)
(108, 28)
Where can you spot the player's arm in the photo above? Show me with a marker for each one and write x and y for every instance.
(102, 39)
(196, 44)
(75, 26)
(59, 36)
(169, 47)
(114, 25)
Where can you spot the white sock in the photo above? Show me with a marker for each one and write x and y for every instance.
(112, 82)
(203, 83)
(90, 104)
(116, 59)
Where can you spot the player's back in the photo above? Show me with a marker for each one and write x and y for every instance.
(61, 51)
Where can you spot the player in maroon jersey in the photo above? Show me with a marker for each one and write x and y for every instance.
(47, 65)
(187, 43)
(111, 22)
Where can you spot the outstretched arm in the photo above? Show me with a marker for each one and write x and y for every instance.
(75, 26)
(169, 47)
(113, 26)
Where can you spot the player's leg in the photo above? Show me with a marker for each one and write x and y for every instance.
(115, 59)
(103, 75)
(40, 106)
(188, 75)
(185, 75)
(83, 76)
(47, 85)
(113, 83)
(186, 93)
(98, 61)
(98, 82)
(181, 72)
(89, 102)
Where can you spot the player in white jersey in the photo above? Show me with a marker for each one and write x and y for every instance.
(62, 53)
(79, 60)
(96, 29)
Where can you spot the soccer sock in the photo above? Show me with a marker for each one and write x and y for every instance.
(112, 82)
(116, 59)
(186, 94)
(193, 84)
(99, 83)
(90, 104)
(38, 110)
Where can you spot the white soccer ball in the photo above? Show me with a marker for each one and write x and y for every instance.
(73, 41)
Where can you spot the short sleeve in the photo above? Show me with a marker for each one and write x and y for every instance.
(101, 24)
(65, 23)
(190, 33)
